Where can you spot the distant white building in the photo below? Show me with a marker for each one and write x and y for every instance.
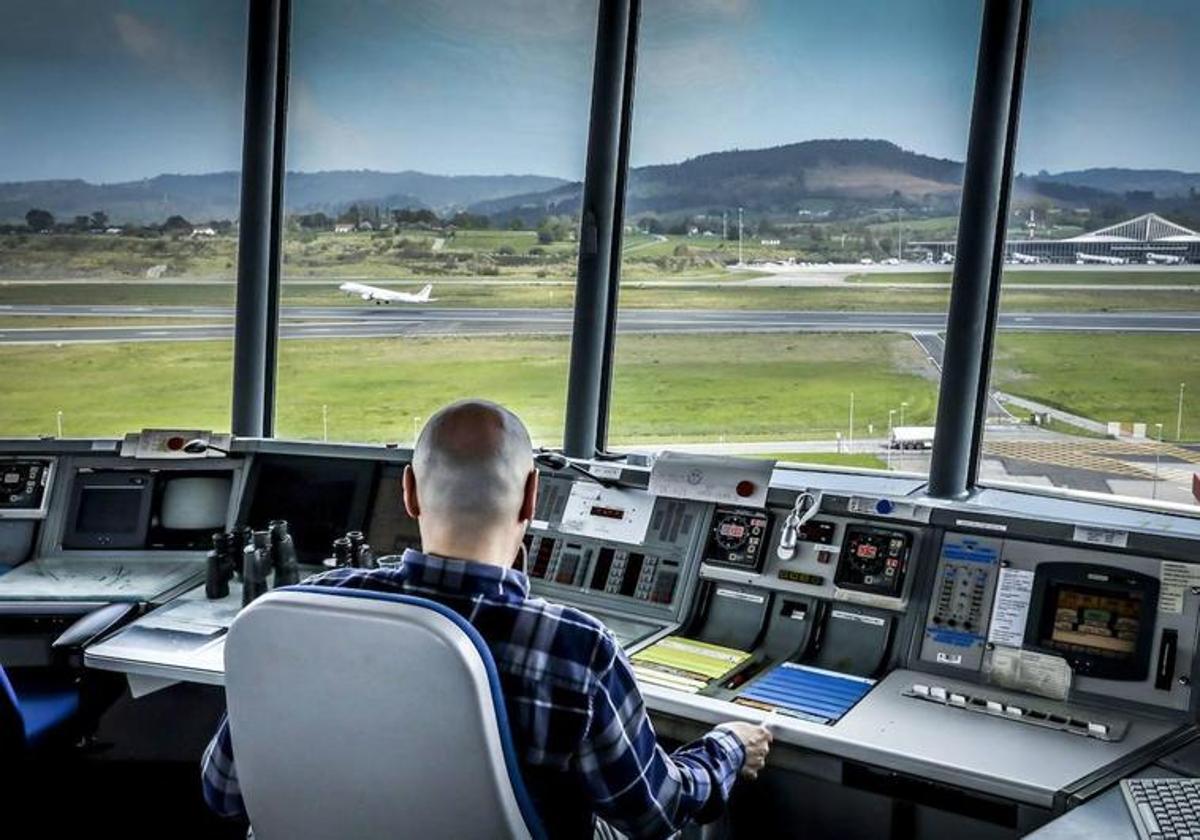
(343, 227)
(365, 225)
(203, 231)
(112, 231)
(769, 242)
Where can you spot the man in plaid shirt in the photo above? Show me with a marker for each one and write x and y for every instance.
(586, 745)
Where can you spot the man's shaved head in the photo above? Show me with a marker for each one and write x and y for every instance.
(471, 465)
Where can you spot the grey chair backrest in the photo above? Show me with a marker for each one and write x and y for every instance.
(365, 715)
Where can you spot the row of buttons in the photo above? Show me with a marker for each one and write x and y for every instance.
(1025, 714)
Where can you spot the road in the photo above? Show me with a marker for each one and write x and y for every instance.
(215, 322)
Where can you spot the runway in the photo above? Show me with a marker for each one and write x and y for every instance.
(313, 322)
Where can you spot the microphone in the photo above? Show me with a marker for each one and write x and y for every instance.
(804, 509)
(199, 447)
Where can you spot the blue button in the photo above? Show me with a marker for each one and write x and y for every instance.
(884, 506)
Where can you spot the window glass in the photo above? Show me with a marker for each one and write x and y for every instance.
(790, 162)
(120, 125)
(435, 153)
(1096, 378)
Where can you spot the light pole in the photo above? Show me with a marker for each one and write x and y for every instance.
(739, 236)
(1157, 457)
(903, 406)
(850, 439)
(1179, 416)
(891, 414)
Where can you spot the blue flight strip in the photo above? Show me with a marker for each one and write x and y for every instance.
(808, 693)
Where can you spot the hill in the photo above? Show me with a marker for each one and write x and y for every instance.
(216, 195)
(1164, 183)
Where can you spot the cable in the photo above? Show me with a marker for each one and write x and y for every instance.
(804, 509)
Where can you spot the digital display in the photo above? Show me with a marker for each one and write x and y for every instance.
(733, 530)
(866, 551)
(1095, 621)
(109, 510)
(608, 512)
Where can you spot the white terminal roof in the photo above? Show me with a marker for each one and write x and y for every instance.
(1149, 227)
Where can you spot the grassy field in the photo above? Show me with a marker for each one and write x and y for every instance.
(633, 295)
(832, 459)
(1130, 378)
(1089, 277)
(766, 387)
(667, 388)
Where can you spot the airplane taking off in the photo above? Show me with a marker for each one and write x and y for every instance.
(387, 295)
(1163, 259)
(1081, 258)
(1028, 259)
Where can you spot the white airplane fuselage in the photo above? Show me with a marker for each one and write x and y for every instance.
(1081, 258)
(378, 295)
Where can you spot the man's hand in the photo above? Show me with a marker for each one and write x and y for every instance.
(756, 740)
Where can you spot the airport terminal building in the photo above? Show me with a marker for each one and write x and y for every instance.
(1149, 238)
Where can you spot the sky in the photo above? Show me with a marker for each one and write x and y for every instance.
(115, 90)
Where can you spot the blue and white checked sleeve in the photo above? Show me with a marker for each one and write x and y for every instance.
(635, 785)
(218, 775)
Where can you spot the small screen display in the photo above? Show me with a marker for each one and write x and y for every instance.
(608, 512)
(733, 529)
(109, 510)
(1095, 621)
(866, 551)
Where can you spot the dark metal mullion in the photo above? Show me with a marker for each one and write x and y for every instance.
(983, 206)
(595, 233)
(278, 215)
(998, 249)
(614, 271)
(254, 220)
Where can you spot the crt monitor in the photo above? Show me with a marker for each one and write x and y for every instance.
(321, 499)
(1099, 618)
(188, 508)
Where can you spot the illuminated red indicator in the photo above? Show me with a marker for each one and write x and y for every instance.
(745, 488)
(175, 443)
(867, 551)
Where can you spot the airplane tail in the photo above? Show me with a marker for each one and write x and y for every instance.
(423, 295)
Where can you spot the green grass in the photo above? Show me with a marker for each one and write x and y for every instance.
(1100, 277)
(1107, 377)
(764, 387)
(633, 295)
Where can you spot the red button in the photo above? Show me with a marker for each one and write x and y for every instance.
(745, 488)
(175, 443)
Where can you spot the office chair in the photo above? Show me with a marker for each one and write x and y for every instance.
(34, 709)
(360, 715)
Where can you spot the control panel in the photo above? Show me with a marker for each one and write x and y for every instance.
(738, 538)
(961, 601)
(603, 569)
(874, 560)
(24, 487)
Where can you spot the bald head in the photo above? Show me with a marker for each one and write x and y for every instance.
(472, 466)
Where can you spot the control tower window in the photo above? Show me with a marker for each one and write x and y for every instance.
(785, 159)
(431, 146)
(1096, 372)
(119, 191)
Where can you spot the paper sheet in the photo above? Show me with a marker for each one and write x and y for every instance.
(1026, 670)
(1011, 608)
(711, 478)
(1174, 580)
(608, 513)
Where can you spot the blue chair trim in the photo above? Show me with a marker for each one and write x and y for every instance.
(528, 812)
(12, 724)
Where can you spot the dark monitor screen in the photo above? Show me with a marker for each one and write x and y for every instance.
(321, 498)
(113, 510)
(1100, 619)
(109, 509)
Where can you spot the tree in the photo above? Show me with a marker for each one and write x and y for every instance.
(100, 219)
(39, 219)
(516, 224)
(82, 222)
(177, 224)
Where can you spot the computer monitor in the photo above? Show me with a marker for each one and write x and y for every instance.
(109, 509)
(1099, 618)
(321, 499)
(188, 508)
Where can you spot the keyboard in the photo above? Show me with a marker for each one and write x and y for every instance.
(1164, 808)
